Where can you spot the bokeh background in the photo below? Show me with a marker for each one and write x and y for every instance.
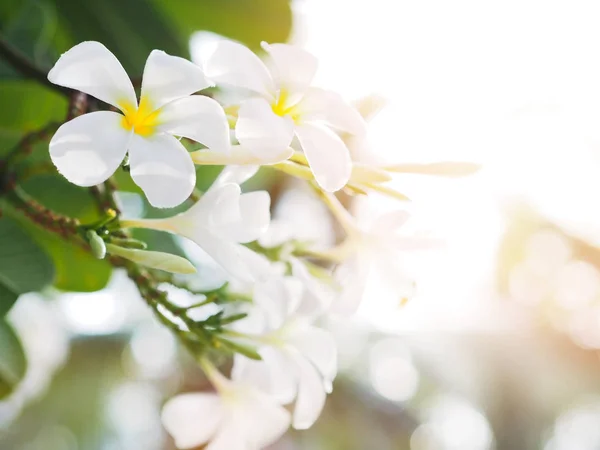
(499, 347)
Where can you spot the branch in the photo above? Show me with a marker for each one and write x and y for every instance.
(27, 68)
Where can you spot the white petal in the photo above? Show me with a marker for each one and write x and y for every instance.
(254, 218)
(293, 67)
(227, 254)
(162, 167)
(167, 78)
(273, 375)
(240, 156)
(88, 149)
(236, 174)
(271, 296)
(229, 438)
(192, 419)
(235, 65)
(329, 107)
(389, 223)
(262, 131)
(91, 68)
(259, 267)
(327, 156)
(199, 118)
(223, 207)
(265, 420)
(317, 295)
(352, 277)
(217, 206)
(318, 346)
(311, 395)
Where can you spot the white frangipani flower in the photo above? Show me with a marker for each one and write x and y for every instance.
(237, 417)
(220, 221)
(88, 149)
(366, 249)
(299, 360)
(284, 105)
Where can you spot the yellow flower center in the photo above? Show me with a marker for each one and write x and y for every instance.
(141, 119)
(282, 108)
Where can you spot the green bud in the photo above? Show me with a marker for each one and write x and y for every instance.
(97, 244)
(129, 243)
(153, 260)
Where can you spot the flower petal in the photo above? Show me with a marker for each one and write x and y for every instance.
(327, 156)
(217, 206)
(352, 277)
(262, 131)
(273, 375)
(235, 65)
(167, 78)
(318, 346)
(199, 118)
(311, 395)
(240, 156)
(259, 267)
(88, 149)
(228, 438)
(329, 107)
(227, 254)
(236, 174)
(317, 295)
(293, 67)
(192, 419)
(254, 218)
(91, 68)
(162, 167)
(265, 420)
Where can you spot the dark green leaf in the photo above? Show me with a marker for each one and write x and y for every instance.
(24, 267)
(76, 269)
(12, 360)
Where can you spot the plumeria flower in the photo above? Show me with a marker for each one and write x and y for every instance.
(237, 417)
(299, 360)
(88, 149)
(222, 220)
(282, 105)
(371, 249)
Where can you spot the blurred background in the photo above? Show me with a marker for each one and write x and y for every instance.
(499, 347)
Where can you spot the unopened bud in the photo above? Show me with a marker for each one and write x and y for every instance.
(97, 244)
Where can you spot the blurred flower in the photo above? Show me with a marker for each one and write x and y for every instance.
(220, 221)
(88, 149)
(236, 417)
(299, 360)
(286, 106)
(371, 248)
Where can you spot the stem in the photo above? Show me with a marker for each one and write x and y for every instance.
(339, 212)
(27, 68)
(42, 216)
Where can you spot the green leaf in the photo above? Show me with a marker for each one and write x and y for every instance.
(24, 267)
(12, 360)
(7, 299)
(76, 269)
(154, 260)
(55, 192)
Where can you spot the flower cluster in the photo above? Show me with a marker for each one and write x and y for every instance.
(279, 289)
